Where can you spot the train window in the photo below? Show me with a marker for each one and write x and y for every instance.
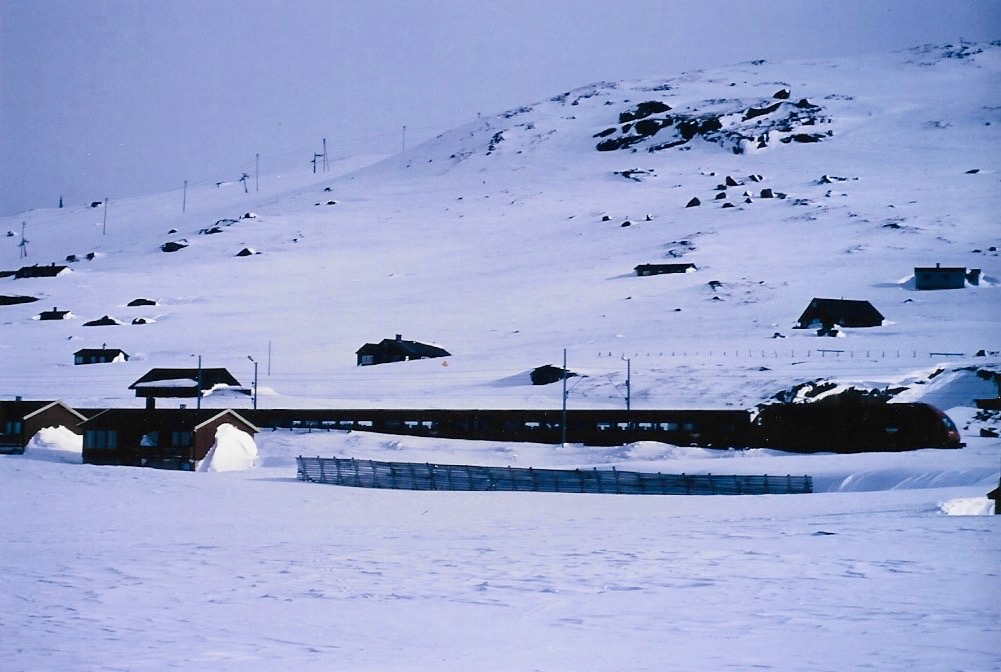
(411, 424)
(429, 424)
(669, 426)
(393, 424)
(646, 426)
(688, 426)
(532, 425)
(604, 426)
(365, 423)
(949, 424)
(622, 425)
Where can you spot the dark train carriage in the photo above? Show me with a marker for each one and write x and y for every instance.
(854, 427)
(709, 428)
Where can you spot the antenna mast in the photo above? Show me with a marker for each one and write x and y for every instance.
(24, 242)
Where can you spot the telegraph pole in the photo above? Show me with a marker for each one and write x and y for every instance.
(628, 382)
(563, 422)
(184, 199)
(257, 172)
(325, 165)
(104, 228)
(24, 241)
(255, 380)
(404, 137)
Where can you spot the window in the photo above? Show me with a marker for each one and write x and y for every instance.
(181, 439)
(100, 439)
(13, 427)
(367, 359)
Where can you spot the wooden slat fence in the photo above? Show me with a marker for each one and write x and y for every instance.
(427, 476)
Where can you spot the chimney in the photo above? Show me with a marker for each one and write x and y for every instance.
(973, 276)
(399, 337)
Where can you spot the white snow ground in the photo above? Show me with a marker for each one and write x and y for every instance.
(491, 241)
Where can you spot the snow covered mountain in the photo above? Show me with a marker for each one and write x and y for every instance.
(515, 236)
(505, 241)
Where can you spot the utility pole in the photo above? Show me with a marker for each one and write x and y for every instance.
(244, 178)
(104, 228)
(628, 382)
(24, 241)
(325, 166)
(563, 421)
(184, 199)
(255, 380)
(404, 137)
(199, 382)
(257, 172)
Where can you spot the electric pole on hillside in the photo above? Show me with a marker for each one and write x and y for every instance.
(563, 420)
(404, 137)
(257, 172)
(104, 228)
(629, 376)
(184, 199)
(24, 241)
(244, 178)
(325, 165)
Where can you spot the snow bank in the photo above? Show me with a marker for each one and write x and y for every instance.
(233, 450)
(55, 444)
(950, 389)
(969, 506)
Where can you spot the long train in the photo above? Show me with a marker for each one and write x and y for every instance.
(817, 427)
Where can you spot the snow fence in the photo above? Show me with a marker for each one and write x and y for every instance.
(427, 476)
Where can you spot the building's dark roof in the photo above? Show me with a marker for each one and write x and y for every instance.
(654, 269)
(192, 418)
(940, 269)
(106, 321)
(11, 300)
(53, 314)
(26, 409)
(140, 302)
(547, 373)
(100, 352)
(845, 312)
(39, 271)
(19, 409)
(411, 349)
(210, 377)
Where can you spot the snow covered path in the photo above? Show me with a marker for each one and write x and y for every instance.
(129, 569)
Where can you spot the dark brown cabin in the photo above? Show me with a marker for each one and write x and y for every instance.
(175, 438)
(21, 420)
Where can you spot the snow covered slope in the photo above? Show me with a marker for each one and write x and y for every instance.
(506, 241)
(516, 236)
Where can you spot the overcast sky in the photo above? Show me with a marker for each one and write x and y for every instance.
(123, 97)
